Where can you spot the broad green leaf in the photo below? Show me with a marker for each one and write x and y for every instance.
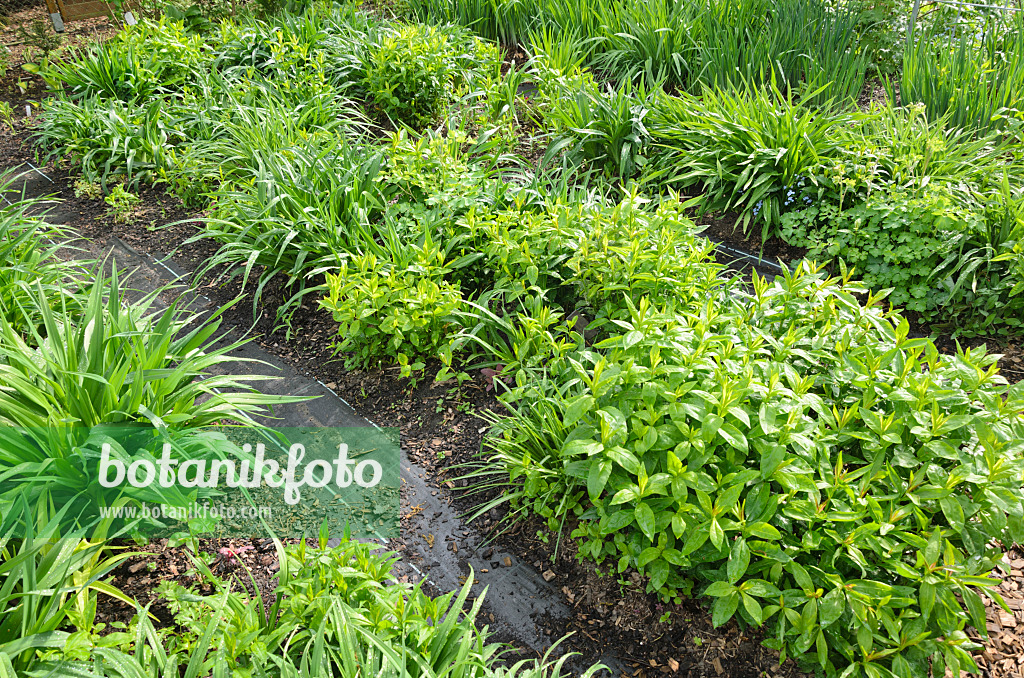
(716, 534)
(645, 519)
(739, 560)
(724, 608)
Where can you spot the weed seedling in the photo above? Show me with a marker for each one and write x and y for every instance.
(88, 189)
(6, 114)
(121, 205)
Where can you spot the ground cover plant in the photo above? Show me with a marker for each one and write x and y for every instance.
(784, 450)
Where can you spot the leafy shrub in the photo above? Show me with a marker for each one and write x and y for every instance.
(894, 239)
(172, 46)
(881, 27)
(412, 70)
(758, 450)
(743, 149)
(628, 252)
(435, 179)
(399, 310)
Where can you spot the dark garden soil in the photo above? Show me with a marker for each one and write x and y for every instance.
(20, 88)
(442, 432)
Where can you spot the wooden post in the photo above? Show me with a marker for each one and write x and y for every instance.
(55, 15)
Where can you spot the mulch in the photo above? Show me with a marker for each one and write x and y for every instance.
(1003, 651)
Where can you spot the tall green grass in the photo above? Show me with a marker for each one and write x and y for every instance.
(685, 43)
(741, 149)
(966, 75)
(798, 43)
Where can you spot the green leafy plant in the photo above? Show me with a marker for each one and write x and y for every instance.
(800, 45)
(298, 218)
(112, 70)
(980, 284)
(335, 612)
(90, 190)
(745, 449)
(48, 580)
(881, 28)
(967, 79)
(743, 149)
(99, 363)
(413, 70)
(37, 35)
(121, 205)
(895, 239)
(7, 116)
(399, 310)
(604, 127)
(107, 138)
(32, 276)
(193, 19)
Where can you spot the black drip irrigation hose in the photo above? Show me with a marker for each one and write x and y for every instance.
(749, 258)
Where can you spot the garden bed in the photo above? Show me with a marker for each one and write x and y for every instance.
(616, 618)
(441, 432)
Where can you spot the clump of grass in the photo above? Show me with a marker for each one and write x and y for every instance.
(973, 78)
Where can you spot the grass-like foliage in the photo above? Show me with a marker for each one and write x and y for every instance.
(31, 275)
(802, 43)
(744, 149)
(103, 362)
(335, 612)
(298, 217)
(49, 580)
(975, 79)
